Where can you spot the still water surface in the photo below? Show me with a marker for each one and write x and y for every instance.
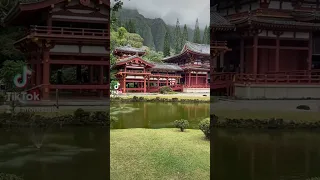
(82, 153)
(158, 115)
(267, 155)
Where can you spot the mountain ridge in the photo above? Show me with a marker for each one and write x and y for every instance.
(152, 30)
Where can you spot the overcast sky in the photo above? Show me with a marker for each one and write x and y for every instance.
(187, 11)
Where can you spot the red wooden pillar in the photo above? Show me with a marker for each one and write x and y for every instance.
(255, 54)
(309, 60)
(158, 82)
(46, 74)
(206, 82)
(144, 84)
(189, 79)
(197, 78)
(242, 55)
(277, 54)
(124, 83)
(167, 81)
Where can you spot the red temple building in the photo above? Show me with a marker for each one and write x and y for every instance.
(65, 33)
(194, 59)
(274, 48)
(138, 75)
(187, 71)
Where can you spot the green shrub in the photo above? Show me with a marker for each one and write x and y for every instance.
(165, 90)
(135, 99)
(204, 126)
(99, 116)
(80, 113)
(4, 176)
(303, 107)
(181, 124)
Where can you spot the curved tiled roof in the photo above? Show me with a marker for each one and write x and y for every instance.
(198, 48)
(158, 66)
(167, 66)
(218, 22)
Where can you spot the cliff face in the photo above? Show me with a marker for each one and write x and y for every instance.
(151, 30)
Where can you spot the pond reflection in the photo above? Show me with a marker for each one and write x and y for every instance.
(158, 115)
(65, 154)
(256, 155)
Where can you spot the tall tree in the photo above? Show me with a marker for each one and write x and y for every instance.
(196, 35)
(166, 46)
(208, 35)
(132, 26)
(204, 37)
(177, 37)
(114, 21)
(185, 36)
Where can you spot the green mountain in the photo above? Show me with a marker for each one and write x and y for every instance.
(151, 30)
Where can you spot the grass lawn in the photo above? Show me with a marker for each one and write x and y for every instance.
(168, 96)
(266, 114)
(166, 154)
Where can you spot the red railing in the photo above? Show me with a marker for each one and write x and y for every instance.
(277, 79)
(298, 72)
(198, 86)
(68, 31)
(221, 80)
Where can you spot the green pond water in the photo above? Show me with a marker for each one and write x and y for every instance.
(51, 154)
(158, 115)
(83, 153)
(265, 155)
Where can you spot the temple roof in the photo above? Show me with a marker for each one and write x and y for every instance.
(201, 49)
(129, 48)
(26, 12)
(218, 22)
(153, 65)
(167, 66)
(202, 67)
(197, 48)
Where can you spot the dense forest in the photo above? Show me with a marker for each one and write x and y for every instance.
(154, 31)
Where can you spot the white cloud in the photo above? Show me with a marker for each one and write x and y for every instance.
(169, 10)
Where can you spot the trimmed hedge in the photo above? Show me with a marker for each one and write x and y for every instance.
(272, 123)
(79, 118)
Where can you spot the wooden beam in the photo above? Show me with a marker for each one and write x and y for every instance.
(79, 62)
